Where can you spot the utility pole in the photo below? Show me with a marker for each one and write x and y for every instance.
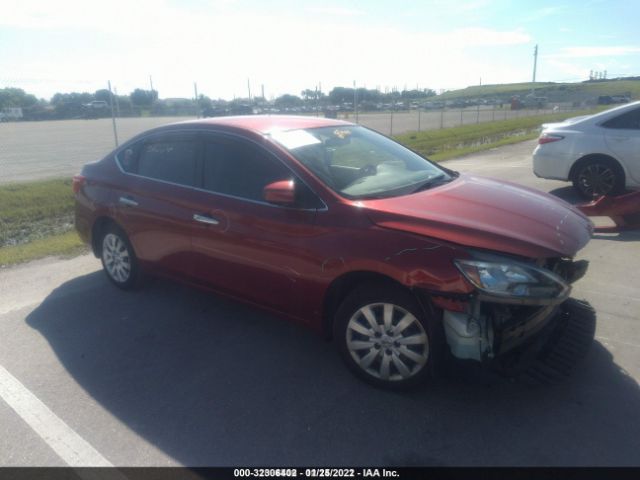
(113, 117)
(195, 91)
(115, 90)
(355, 101)
(249, 89)
(151, 83)
(262, 86)
(535, 64)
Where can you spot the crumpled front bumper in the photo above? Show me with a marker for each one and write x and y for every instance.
(491, 326)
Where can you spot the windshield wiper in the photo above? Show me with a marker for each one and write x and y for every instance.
(432, 182)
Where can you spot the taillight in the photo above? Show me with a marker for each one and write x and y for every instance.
(78, 182)
(548, 138)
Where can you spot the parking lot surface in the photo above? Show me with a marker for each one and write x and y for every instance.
(168, 375)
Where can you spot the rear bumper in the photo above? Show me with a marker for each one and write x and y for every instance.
(551, 165)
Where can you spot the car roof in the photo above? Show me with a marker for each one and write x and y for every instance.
(263, 124)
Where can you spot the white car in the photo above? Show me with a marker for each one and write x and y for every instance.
(599, 153)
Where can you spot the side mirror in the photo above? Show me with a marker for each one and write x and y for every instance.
(282, 192)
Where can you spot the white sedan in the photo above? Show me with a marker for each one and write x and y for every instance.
(599, 153)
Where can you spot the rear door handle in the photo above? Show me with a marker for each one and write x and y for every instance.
(205, 219)
(128, 201)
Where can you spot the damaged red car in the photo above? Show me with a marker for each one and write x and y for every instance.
(399, 260)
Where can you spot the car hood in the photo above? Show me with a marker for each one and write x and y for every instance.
(489, 214)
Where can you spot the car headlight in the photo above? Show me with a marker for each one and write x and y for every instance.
(513, 280)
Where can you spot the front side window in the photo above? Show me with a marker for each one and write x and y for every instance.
(239, 169)
(359, 163)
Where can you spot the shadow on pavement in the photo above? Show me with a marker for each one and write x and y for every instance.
(568, 194)
(212, 382)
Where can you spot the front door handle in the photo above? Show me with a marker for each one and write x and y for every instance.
(205, 219)
(128, 201)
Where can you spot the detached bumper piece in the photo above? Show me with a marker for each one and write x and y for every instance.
(624, 210)
(552, 356)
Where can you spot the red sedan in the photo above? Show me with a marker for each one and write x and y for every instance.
(342, 229)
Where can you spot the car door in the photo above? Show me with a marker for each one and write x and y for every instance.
(245, 246)
(622, 135)
(153, 201)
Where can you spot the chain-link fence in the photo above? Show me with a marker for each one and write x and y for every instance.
(48, 149)
(397, 122)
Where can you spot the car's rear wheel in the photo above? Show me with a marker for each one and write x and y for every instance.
(598, 176)
(118, 258)
(383, 336)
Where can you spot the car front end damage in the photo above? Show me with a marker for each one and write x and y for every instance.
(515, 309)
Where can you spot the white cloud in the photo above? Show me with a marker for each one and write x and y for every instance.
(220, 46)
(336, 11)
(588, 52)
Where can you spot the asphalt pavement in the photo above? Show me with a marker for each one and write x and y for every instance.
(168, 375)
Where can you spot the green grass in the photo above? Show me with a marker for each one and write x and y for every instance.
(557, 91)
(33, 210)
(62, 244)
(450, 142)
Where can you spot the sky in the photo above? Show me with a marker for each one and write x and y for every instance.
(291, 45)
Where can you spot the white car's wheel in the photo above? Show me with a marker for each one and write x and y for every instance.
(596, 177)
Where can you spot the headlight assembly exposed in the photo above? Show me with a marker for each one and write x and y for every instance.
(513, 280)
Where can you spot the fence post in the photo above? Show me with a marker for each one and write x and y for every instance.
(461, 119)
(113, 116)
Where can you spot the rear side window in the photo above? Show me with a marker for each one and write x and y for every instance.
(169, 158)
(627, 121)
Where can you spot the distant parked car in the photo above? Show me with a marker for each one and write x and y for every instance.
(611, 99)
(342, 229)
(599, 153)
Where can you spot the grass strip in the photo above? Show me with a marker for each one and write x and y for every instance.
(448, 141)
(33, 210)
(63, 244)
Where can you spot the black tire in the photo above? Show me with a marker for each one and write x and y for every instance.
(119, 260)
(598, 176)
(407, 364)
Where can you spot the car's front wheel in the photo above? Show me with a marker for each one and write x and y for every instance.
(383, 336)
(598, 176)
(118, 258)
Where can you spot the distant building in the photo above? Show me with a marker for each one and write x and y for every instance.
(11, 113)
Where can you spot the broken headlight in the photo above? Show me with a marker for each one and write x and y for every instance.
(513, 280)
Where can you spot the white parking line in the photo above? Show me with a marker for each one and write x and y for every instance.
(69, 446)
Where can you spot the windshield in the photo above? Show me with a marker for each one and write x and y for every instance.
(359, 163)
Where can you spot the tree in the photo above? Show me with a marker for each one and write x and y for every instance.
(204, 102)
(143, 98)
(16, 97)
(309, 94)
(103, 95)
(60, 99)
(287, 100)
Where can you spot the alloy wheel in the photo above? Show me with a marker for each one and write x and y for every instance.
(116, 256)
(387, 341)
(596, 179)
